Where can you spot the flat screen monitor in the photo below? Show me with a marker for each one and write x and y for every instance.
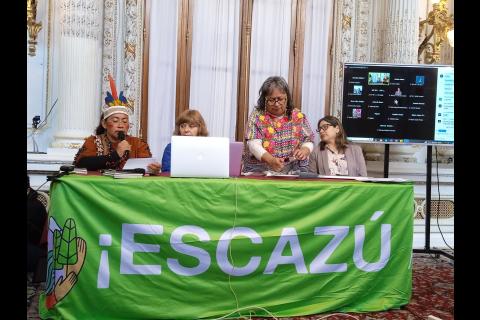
(396, 103)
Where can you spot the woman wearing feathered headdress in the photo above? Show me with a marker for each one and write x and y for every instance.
(110, 147)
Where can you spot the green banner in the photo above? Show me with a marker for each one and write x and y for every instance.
(179, 248)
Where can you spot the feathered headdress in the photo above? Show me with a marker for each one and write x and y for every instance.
(115, 103)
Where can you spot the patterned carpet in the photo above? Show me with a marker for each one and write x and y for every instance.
(432, 294)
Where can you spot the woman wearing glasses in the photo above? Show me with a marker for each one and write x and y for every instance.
(278, 137)
(334, 156)
(189, 123)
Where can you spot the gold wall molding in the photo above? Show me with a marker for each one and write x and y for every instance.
(33, 27)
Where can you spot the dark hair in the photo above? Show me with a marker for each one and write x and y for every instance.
(100, 129)
(194, 117)
(341, 138)
(267, 87)
(31, 193)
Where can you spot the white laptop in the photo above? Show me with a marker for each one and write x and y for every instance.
(200, 157)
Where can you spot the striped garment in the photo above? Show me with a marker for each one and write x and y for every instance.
(280, 137)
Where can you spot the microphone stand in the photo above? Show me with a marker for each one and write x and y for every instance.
(34, 143)
(37, 125)
(35, 129)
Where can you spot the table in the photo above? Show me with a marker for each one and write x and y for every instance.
(181, 248)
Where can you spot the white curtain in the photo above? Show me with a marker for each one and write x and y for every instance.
(215, 43)
(162, 74)
(317, 30)
(270, 46)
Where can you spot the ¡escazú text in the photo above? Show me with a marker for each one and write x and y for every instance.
(288, 237)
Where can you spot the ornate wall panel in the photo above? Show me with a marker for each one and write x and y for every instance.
(123, 29)
(343, 50)
(110, 22)
(133, 53)
(362, 31)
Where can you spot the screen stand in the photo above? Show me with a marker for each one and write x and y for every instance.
(428, 207)
(386, 160)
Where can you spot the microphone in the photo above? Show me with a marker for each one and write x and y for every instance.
(64, 170)
(136, 170)
(67, 168)
(121, 137)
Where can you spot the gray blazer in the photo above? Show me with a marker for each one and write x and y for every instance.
(318, 162)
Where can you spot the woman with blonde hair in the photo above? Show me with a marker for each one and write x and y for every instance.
(189, 123)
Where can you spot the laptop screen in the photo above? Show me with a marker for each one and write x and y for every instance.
(200, 157)
(236, 149)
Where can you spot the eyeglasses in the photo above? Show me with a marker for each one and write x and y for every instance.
(324, 127)
(188, 125)
(272, 101)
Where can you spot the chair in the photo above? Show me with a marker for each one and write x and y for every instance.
(443, 208)
(44, 198)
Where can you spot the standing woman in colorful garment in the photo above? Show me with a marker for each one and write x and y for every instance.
(278, 136)
(111, 146)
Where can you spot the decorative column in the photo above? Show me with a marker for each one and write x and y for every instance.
(369, 37)
(80, 54)
(401, 31)
(400, 45)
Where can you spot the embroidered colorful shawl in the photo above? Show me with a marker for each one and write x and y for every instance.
(279, 137)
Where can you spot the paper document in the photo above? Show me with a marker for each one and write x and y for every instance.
(120, 175)
(338, 177)
(134, 163)
(280, 174)
(371, 179)
(80, 171)
(254, 174)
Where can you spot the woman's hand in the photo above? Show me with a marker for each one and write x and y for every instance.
(275, 163)
(122, 147)
(154, 167)
(301, 153)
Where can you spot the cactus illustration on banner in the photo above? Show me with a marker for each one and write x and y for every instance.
(65, 259)
(67, 253)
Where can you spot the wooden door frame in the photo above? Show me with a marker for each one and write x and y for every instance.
(297, 40)
(145, 64)
(245, 40)
(184, 56)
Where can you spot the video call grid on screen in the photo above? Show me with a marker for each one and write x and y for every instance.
(392, 103)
